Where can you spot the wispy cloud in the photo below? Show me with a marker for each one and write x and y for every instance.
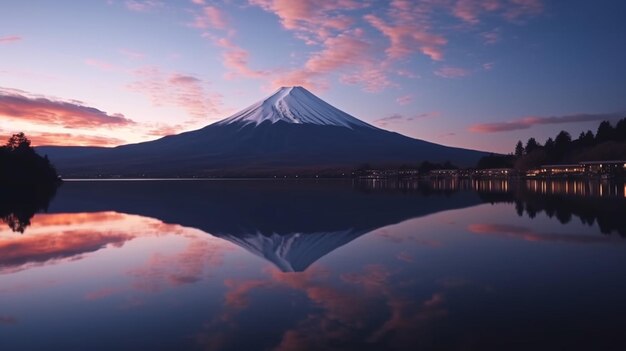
(491, 37)
(488, 66)
(132, 54)
(101, 65)
(399, 118)
(527, 122)
(312, 20)
(142, 5)
(404, 99)
(451, 72)
(19, 105)
(527, 234)
(176, 89)
(210, 17)
(10, 39)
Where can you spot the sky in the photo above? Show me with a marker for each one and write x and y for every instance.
(478, 74)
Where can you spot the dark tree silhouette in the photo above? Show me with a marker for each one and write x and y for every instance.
(27, 182)
(531, 145)
(519, 149)
(605, 132)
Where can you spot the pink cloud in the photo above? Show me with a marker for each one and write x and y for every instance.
(142, 5)
(176, 89)
(163, 130)
(488, 66)
(10, 39)
(451, 72)
(20, 252)
(404, 99)
(236, 60)
(349, 53)
(210, 17)
(523, 8)
(102, 65)
(408, 32)
(470, 10)
(527, 234)
(313, 20)
(527, 122)
(398, 118)
(189, 266)
(491, 37)
(19, 105)
(101, 293)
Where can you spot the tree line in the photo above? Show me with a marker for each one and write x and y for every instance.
(608, 143)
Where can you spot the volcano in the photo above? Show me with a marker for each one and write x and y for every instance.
(290, 132)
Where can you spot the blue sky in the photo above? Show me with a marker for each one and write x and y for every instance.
(471, 73)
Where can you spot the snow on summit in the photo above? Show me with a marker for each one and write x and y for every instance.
(294, 105)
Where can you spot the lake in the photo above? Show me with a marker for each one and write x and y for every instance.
(306, 265)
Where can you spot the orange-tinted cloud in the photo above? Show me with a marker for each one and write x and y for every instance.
(53, 238)
(527, 122)
(163, 130)
(21, 252)
(10, 39)
(19, 105)
(72, 139)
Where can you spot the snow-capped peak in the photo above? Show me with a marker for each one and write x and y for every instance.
(294, 105)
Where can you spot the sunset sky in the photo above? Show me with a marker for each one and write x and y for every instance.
(472, 73)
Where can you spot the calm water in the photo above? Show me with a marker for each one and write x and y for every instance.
(264, 265)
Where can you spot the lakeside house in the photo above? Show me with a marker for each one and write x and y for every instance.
(387, 173)
(609, 168)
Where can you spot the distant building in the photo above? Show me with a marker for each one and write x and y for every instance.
(444, 173)
(387, 173)
(494, 172)
(586, 168)
(615, 168)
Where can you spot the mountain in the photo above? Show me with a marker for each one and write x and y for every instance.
(290, 132)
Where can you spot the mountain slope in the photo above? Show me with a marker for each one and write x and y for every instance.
(292, 131)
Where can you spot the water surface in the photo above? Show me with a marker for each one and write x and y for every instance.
(297, 265)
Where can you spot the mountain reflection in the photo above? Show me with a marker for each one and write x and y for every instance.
(290, 224)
